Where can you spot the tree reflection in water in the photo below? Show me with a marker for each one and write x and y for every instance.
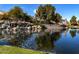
(19, 38)
(73, 33)
(46, 41)
(55, 36)
(40, 41)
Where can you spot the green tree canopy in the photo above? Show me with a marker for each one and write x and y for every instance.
(17, 13)
(73, 20)
(46, 12)
(58, 17)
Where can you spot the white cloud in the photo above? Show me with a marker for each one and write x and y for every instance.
(34, 10)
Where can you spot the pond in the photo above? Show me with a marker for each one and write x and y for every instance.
(59, 42)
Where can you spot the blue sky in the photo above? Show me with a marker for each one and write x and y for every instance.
(66, 10)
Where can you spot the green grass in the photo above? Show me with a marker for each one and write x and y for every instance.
(17, 50)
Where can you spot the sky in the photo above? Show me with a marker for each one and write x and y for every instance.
(66, 10)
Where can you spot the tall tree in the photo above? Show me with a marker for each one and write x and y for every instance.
(73, 20)
(40, 12)
(46, 12)
(50, 12)
(58, 17)
(16, 13)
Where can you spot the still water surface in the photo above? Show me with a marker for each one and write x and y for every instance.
(66, 41)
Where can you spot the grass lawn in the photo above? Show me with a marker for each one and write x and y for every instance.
(17, 50)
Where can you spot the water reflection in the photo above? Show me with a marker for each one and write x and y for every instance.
(19, 38)
(58, 41)
(55, 36)
(65, 45)
(39, 41)
(73, 33)
(44, 42)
